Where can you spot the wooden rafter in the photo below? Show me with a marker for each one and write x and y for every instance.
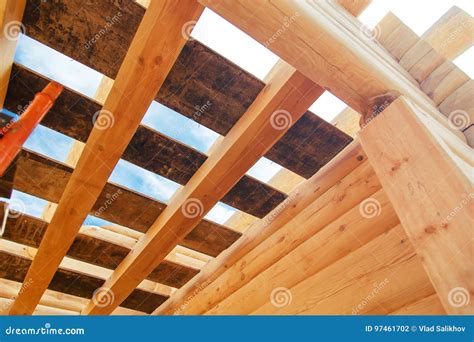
(153, 51)
(286, 97)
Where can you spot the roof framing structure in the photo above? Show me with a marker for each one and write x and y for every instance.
(394, 144)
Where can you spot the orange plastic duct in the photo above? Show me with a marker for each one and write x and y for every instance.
(16, 134)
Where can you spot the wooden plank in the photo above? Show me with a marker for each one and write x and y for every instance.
(53, 300)
(336, 201)
(15, 260)
(103, 31)
(87, 247)
(381, 276)
(45, 178)
(395, 36)
(301, 197)
(413, 168)
(452, 34)
(459, 106)
(72, 115)
(287, 96)
(320, 250)
(11, 13)
(469, 133)
(359, 60)
(347, 121)
(426, 64)
(443, 81)
(308, 145)
(141, 75)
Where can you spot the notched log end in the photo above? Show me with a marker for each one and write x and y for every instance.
(376, 105)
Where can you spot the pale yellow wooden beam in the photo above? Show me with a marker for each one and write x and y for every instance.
(452, 34)
(11, 13)
(53, 302)
(432, 196)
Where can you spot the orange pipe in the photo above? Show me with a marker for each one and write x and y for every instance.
(16, 134)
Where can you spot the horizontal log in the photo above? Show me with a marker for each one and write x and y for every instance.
(15, 260)
(45, 178)
(52, 303)
(302, 196)
(29, 231)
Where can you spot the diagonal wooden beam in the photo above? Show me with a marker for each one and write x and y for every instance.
(285, 98)
(452, 34)
(153, 51)
(329, 46)
(432, 196)
(11, 13)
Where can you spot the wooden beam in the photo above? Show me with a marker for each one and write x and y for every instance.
(358, 185)
(320, 31)
(300, 198)
(153, 51)
(387, 263)
(75, 277)
(326, 246)
(347, 121)
(452, 34)
(281, 103)
(53, 300)
(11, 13)
(430, 194)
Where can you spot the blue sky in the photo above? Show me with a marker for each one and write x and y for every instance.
(229, 42)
